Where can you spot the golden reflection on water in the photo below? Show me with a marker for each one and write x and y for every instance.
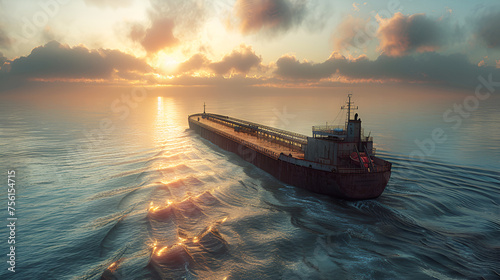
(165, 125)
(161, 251)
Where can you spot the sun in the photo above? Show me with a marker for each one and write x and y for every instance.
(167, 63)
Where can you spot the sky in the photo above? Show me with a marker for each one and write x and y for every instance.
(280, 43)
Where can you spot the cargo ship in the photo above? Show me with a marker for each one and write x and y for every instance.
(338, 161)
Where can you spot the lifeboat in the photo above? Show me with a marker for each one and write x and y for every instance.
(364, 159)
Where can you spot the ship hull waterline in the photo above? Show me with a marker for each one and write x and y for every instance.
(350, 186)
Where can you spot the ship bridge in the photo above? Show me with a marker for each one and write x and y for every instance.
(334, 144)
(335, 132)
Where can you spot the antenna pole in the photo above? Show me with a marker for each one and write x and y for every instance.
(349, 107)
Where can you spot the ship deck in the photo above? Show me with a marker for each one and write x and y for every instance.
(268, 139)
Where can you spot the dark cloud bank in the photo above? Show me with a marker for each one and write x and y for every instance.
(57, 61)
(430, 67)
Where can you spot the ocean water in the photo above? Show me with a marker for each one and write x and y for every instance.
(111, 184)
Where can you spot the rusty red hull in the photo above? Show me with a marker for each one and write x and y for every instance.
(352, 186)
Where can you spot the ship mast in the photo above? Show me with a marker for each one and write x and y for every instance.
(349, 106)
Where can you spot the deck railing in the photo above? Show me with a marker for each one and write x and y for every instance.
(337, 128)
(239, 140)
(335, 131)
(288, 138)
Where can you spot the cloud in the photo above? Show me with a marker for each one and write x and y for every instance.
(157, 37)
(402, 34)
(170, 22)
(193, 64)
(240, 61)
(55, 60)
(350, 32)
(434, 68)
(4, 39)
(268, 15)
(290, 67)
(488, 29)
